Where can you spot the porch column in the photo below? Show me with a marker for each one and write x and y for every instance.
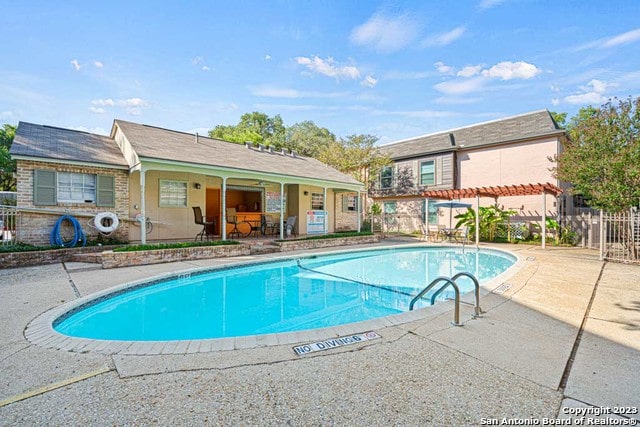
(477, 219)
(359, 212)
(326, 212)
(544, 220)
(282, 211)
(603, 240)
(143, 209)
(223, 214)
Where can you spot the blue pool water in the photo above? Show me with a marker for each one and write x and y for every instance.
(279, 296)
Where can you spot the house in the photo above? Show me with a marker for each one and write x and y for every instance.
(147, 174)
(504, 154)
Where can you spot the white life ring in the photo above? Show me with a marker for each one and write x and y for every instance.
(106, 222)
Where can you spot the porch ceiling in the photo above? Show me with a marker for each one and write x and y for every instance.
(495, 191)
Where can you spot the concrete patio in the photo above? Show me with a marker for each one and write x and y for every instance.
(560, 335)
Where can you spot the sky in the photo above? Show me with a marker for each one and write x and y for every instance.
(392, 69)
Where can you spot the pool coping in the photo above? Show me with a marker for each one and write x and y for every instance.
(40, 330)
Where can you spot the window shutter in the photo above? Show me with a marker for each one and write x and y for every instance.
(44, 187)
(345, 203)
(105, 191)
(438, 171)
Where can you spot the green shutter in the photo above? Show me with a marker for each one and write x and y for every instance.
(44, 187)
(105, 191)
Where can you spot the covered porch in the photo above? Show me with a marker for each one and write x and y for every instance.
(236, 204)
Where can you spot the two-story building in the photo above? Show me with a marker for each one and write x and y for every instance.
(503, 153)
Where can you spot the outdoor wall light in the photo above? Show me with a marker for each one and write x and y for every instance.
(197, 185)
(306, 193)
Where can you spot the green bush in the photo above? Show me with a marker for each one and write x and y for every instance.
(179, 245)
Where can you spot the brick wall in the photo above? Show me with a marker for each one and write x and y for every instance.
(35, 227)
(126, 259)
(345, 220)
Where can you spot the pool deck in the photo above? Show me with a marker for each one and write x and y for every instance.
(561, 334)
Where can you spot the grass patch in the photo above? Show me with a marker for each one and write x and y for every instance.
(338, 235)
(179, 245)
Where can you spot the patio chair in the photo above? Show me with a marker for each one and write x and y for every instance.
(232, 219)
(290, 226)
(270, 226)
(208, 227)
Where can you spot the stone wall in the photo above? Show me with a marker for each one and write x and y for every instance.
(112, 259)
(36, 222)
(299, 245)
(26, 259)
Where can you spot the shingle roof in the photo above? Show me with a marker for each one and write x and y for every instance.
(48, 142)
(157, 143)
(529, 125)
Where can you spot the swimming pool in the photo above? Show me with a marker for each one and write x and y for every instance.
(282, 296)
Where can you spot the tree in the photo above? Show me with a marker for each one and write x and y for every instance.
(356, 155)
(7, 166)
(559, 118)
(602, 157)
(307, 138)
(254, 127)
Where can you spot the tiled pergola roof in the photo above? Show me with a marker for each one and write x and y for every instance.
(495, 192)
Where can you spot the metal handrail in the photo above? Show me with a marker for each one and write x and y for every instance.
(477, 311)
(456, 312)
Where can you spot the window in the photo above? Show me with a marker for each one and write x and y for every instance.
(433, 212)
(76, 187)
(386, 177)
(427, 173)
(349, 203)
(173, 193)
(317, 201)
(390, 207)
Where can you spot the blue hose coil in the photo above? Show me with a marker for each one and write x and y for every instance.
(78, 235)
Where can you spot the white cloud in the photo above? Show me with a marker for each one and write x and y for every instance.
(133, 102)
(96, 130)
(469, 71)
(7, 115)
(555, 87)
(197, 60)
(97, 110)
(269, 91)
(454, 100)
(624, 38)
(103, 102)
(512, 70)
(267, 57)
(75, 64)
(328, 67)
(488, 4)
(369, 81)
(592, 93)
(384, 33)
(445, 38)
(421, 114)
(205, 68)
(444, 69)
(98, 64)
(555, 101)
(461, 87)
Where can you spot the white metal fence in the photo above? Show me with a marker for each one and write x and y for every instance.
(8, 224)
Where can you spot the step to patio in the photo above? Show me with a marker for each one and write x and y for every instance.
(90, 258)
(264, 249)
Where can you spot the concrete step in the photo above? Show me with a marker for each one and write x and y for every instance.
(90, 258)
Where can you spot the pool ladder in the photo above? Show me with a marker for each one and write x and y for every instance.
(477, 311)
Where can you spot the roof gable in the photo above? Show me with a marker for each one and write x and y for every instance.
(510, 129)
(47, 142)
(163, 144)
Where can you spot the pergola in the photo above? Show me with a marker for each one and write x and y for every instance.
(495, 192)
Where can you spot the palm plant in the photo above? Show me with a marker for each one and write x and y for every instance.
(490, 218)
